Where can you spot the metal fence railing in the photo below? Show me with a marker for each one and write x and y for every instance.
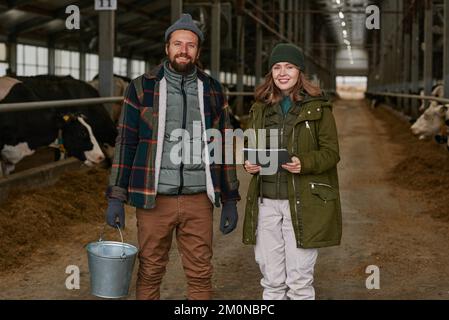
(23, 106)
(408, 96)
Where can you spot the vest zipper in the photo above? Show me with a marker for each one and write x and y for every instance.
(278, 178)
(296, 202)
(184, 119)
(258, 182)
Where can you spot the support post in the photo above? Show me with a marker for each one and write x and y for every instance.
(215, 39)
(282, 17)
(176, 10)
(106, 53)
(415, 62)
(51, 57)
(446, 49)
(259, 40)
(12, 54)
(241, 62)
(307, 27)
(406, 68)
(428, 47)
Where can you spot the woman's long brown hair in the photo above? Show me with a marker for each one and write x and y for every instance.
(269, 93)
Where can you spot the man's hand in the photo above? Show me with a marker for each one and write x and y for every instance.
(229, 217)
(115, 213)
(294, 166)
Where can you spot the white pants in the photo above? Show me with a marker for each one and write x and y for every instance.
(287, 270)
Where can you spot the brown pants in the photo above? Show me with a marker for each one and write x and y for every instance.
(191, 217)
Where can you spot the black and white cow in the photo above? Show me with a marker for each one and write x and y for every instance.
(120, 85)
(83, 131)
(61, 88)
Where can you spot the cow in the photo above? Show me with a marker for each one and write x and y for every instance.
(437, 91)
(422, 107)
(83, 131)
(443, 137)
(375, 99)
(446, 119)
(120, 85)
(431, 122)
(66, 87)
(434, 122)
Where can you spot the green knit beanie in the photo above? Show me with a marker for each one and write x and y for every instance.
(286, 52)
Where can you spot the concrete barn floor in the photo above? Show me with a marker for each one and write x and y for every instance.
(383, 225)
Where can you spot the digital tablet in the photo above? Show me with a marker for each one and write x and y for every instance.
(271, 159)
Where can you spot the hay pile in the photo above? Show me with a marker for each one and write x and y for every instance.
(424, 167)
(28, 219)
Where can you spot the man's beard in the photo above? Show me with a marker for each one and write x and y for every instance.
(182, 67)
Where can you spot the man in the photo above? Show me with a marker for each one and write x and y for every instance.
(168, 195)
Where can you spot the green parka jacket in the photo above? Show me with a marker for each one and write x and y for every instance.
(314, 192)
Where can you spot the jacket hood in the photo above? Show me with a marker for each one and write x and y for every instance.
(321, 98)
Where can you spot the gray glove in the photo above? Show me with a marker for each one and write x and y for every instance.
(229, 217)
(114, 212)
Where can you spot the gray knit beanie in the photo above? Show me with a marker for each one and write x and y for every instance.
(184, 23)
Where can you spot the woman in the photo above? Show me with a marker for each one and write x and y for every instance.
(291, 213)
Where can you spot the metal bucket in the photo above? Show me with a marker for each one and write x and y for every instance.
(111, 267)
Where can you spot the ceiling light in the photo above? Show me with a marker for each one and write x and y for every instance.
(341, 15)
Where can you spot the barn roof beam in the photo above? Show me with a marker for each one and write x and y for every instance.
(150, 48)
(139, 6)
(12, 4)
(48, 16)
(125, 39)
(30, 25)
(34, 23)
(134, 42)
(61, 35)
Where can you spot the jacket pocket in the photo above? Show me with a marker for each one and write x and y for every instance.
(319, 214)
(322, 191)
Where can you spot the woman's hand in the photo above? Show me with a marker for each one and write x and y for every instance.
(294, 166)
(251, 168)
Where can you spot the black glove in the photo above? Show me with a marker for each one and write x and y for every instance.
(229, 217)
(114, 212)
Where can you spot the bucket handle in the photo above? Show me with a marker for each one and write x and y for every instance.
(123, 256)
